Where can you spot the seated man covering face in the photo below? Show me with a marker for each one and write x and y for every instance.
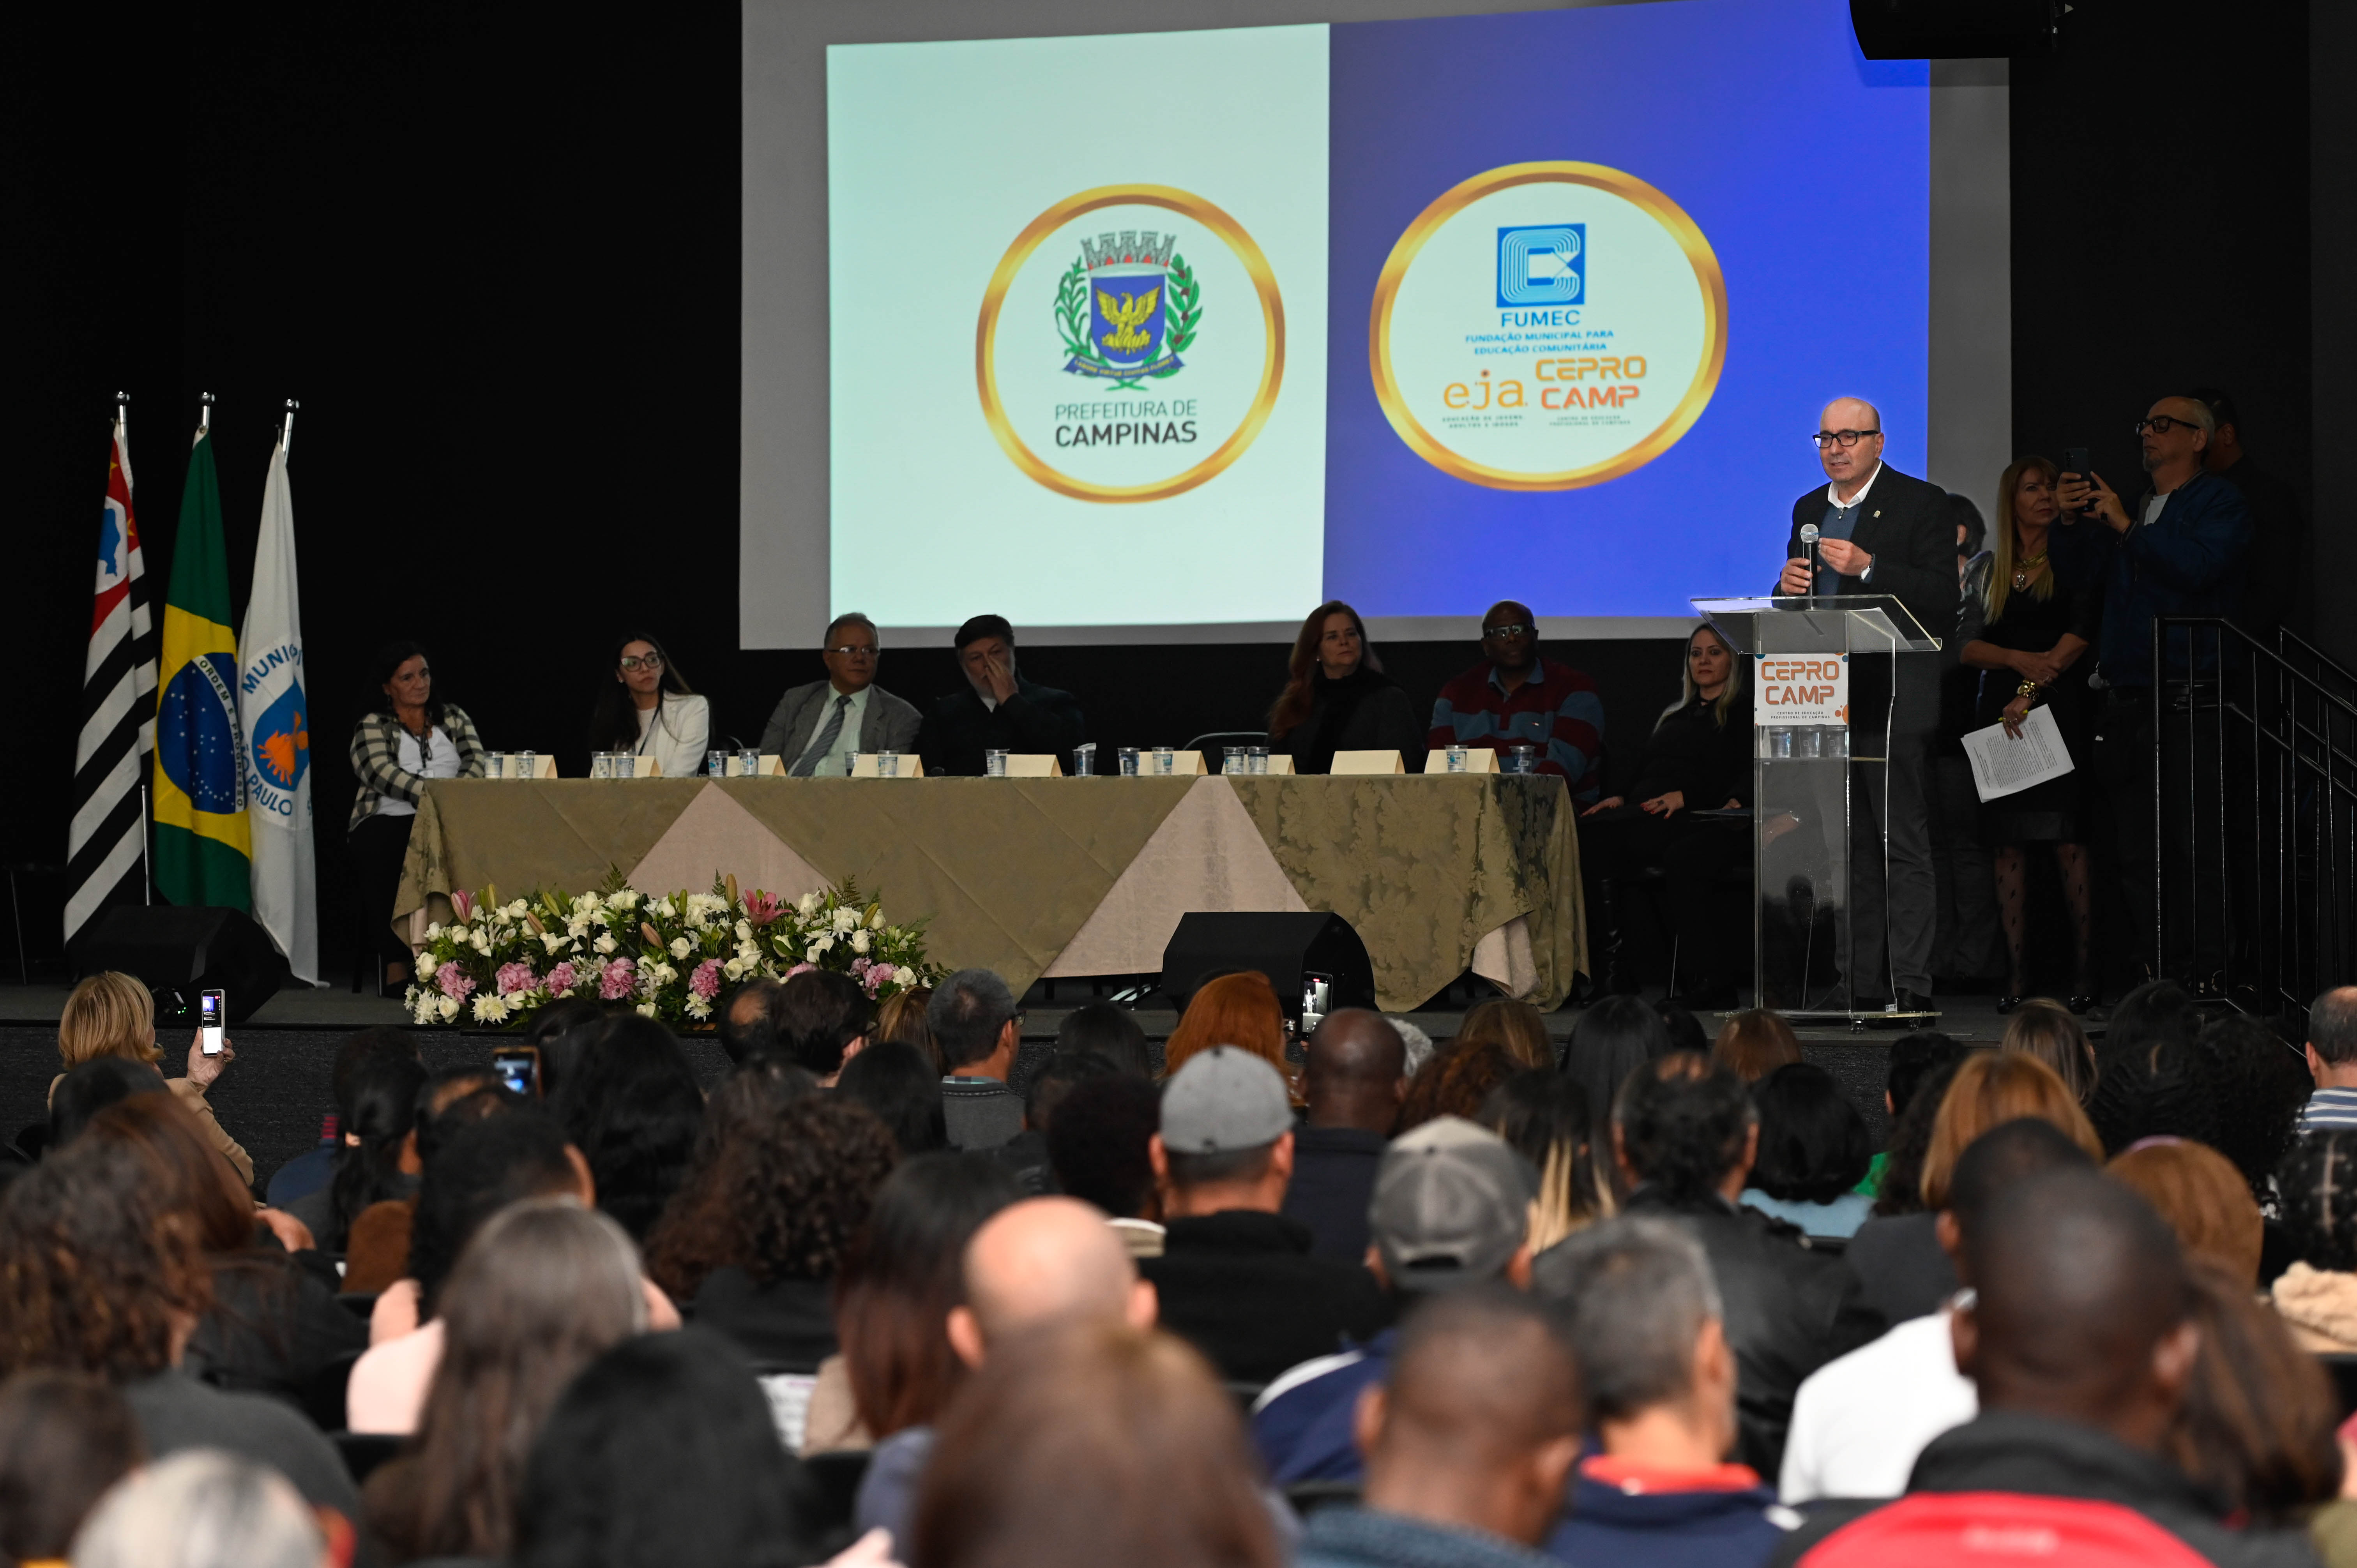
(1000, 711)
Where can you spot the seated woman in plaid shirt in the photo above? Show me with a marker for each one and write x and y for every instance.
(406, 739)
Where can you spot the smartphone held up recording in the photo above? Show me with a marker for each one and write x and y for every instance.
(518, 1068)
(212, 1015)
(2075, 466)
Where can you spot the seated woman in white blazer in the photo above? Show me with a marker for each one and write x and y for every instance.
(650, 711)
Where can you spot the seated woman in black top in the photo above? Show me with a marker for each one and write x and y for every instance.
(1337, 697)
(1697, 758)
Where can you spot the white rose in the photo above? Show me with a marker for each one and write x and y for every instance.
(449, 1008)
(875, 920)
(555, 942)
(433, 931)
(605, 942)
(628, 899)
(662, 910)
(904, 975)
(586, 901)
(744, 930)
(859, 942)
(482, 942)
(645, 1009)
(734, 968)
(680, 947)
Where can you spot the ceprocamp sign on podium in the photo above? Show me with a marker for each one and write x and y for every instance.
(1807, 740)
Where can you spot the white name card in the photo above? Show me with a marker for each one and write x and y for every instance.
(1800, 690)
(1034, 764)
(1385, 760)
(1477, 759)
(1280, 763)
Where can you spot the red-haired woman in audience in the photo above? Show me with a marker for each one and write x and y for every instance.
(2204, 1197)
(1755, 1042)
(1239, 1010)
(1337, 697)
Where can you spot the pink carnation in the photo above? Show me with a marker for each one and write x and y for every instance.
(516, 977)
(562, 978)
(617, 980)
(705, 980)
(452, 981)
(874, 978)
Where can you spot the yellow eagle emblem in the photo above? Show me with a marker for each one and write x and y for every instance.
(1127, 317)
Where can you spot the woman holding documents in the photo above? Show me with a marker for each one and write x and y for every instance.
(2038, 626)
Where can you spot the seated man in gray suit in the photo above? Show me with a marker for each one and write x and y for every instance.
(819, 727)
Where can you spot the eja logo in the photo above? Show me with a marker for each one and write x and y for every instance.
(1543, 264)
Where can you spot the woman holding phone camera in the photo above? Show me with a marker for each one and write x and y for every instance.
(2038, 626)
(113, 1015)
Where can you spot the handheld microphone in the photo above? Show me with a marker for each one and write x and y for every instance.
(1809, 536)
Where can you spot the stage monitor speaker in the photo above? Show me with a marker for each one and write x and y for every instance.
(1294, 950)
(180, 951)
(1953, 29)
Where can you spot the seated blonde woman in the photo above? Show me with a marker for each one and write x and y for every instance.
(111, 1015)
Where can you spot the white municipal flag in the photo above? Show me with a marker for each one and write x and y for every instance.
(276, 714)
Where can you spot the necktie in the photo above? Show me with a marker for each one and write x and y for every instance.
(824, 744)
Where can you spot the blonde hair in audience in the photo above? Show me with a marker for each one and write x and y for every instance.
(1520, 1028)
(2044, 1028)
(1991, 1088)
(109, 1014)
(902, 1016)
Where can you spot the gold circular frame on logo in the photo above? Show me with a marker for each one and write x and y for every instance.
(1629, 187)
(1272, 311)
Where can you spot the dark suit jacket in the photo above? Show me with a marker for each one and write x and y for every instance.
(889, 723)
(1037, 719)
(1908, 530)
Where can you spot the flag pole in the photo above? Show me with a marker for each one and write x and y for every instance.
(204, 413)
(286, 433)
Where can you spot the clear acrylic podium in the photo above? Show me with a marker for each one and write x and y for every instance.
(1805, 784)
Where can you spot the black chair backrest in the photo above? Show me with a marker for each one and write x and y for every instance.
(833, 1478)
(323, 1397)
(365, 1451)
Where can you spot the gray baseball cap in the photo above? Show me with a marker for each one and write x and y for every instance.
(1450, 1206)
(1224, 1100)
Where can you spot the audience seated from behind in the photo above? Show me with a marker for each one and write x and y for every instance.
(2263, 1084)
(1513, 697)
(897, 1369)
(1610, 1041)
(1451, 1208)
(103, 1278)
(1236, 1277)
(1814, 1151)
(979, 1030)
(1925, 1058)
(2081, 1341)
(1898, 1259)
(1859, 1422)
(65, 1438)
(1237, 1009)
(1026, 1154)
(1544, 1117)
(1107, 1030)
(998, 710)
(819, 1020)
(1354, 1080)
(2204, 1197)
(1458, 1082)
(901, 1083)
(1337, 697)
(273, 1325)
(633, 1111)
(1650, 1331)
(2257, 1427)
(2331, 1052)
(90, 1088)
(310, 1172)
(1686, 1135)
(661, 1452)
(1101, 1151)
(112, 1014)
(743, 1025)
(756, 1235)
(1042, 1261)
(376, 1248)
(208, 1508)
(2153, 1079)
(544, 1288)
(376, 1108)
(1755, 1042)
(1086, 1444)
(1468, 1447)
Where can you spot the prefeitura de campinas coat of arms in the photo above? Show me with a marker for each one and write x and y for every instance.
(1127, 308)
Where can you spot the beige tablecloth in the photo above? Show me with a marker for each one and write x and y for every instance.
(1063, 876)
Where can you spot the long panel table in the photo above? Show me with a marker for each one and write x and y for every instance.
(1063, 876)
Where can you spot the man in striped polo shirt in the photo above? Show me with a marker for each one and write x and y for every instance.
(1516, 698)
(2333, 1058)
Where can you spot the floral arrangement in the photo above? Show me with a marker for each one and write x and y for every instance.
(668, 957)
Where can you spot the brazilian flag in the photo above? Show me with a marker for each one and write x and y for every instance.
(203, 848)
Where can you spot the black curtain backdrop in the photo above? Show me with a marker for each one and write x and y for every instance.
(493, 251)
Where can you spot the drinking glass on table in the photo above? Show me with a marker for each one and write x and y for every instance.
(1166, 761)
(1457, 760)
(1256, 759)
(748, 763)
(993, 762)
(1129, 762)
(1524, 758)
(887, 765)
(716, 765)
(527, 765)
(1084, 759)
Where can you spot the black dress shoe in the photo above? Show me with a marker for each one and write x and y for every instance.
(1916, 1001)
(2006, 1003)
(2084, 1004)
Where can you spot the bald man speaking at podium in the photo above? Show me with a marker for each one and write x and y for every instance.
(1880, 531)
